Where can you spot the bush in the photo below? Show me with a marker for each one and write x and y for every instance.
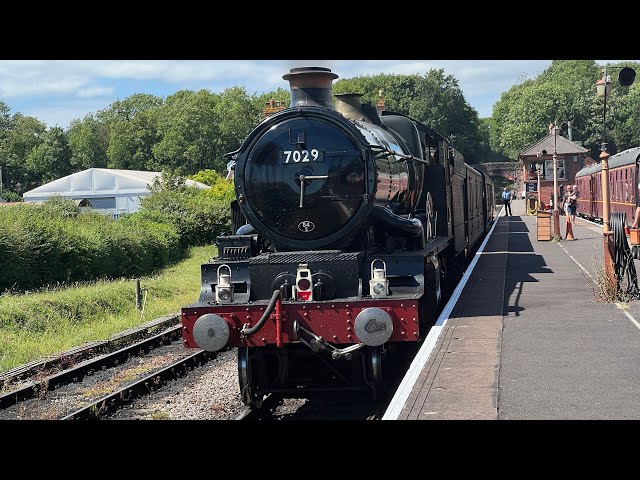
(221, 188)
(9, 196)
(53, 243)
(198, 216)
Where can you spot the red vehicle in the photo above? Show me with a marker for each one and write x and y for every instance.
(345, 223)
(623, 186)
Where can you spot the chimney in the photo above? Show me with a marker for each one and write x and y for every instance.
(310, 86)
(272, 107)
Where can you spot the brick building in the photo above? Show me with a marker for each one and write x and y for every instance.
(571, 158)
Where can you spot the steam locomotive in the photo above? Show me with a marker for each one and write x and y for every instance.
(348, 222)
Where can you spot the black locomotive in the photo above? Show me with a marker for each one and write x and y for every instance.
(346, 223)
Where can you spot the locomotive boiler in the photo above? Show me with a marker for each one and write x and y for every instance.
(346, 222)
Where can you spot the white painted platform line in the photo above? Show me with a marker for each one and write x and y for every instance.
(577, 263)
(408, 382)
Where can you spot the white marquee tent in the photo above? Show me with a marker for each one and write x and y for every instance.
(110, 191)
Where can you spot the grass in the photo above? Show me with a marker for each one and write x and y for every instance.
(34, 325)
(606, 289)
(160, 415)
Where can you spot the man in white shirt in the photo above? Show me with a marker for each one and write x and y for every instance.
(506, 198)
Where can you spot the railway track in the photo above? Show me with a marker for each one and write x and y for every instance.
(124, 396)
(69, 358)
(98, 386)
(75, 374)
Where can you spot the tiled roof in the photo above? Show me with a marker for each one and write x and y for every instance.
(564, 146)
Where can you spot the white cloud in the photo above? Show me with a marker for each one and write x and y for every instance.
(94, 92)
(38, 85)
(10, 87)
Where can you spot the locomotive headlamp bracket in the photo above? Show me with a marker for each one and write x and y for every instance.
(378, 285)
(303, 289)
(224, 288)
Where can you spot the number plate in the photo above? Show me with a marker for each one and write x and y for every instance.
(302, 156)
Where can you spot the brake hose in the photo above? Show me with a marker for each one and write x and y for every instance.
(246, 331)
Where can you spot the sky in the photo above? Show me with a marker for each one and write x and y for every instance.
(58, 91)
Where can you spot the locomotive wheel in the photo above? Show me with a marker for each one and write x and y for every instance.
(374, 360)
(249, 398)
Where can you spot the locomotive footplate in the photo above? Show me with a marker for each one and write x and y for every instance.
(337, 322)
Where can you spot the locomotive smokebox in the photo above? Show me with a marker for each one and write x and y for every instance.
(311, 86)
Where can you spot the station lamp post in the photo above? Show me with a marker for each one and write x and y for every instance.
(603, 89)
(539, 167)
(556, 213)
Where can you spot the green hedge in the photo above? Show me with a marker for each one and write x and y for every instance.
(198, 216)
(53, 243)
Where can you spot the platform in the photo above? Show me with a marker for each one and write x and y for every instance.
(523, 336)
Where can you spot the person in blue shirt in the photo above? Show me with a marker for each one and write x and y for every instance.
(506, 198)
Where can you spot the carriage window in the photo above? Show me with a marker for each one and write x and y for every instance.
(611, 187)
(626, 190)
(620, 190)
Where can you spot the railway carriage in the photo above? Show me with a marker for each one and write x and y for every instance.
(623, 186)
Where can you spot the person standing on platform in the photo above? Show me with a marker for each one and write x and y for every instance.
(566, 201)
(572, 208)
(506, 198)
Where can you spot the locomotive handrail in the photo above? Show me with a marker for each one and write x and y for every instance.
(401, 155)
(308, 177)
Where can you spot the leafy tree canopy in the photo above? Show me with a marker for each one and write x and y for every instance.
(565, 93)
(434, 99)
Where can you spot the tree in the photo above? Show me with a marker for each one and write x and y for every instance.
(188, 131)
(127, 109)
(133, 131)
(522, 115)
(5, 118)
(399, 90)
(237, 115)
(279, 95)
(5, 125)
(441, 104)
(88, 140)
(16, 143)
(52, 158)
(434, 99)
(565, 91)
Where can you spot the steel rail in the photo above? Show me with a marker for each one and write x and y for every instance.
(139, 388)
(84, 352)
(76, 374)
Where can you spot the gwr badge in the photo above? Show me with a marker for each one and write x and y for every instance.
(306, 226)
